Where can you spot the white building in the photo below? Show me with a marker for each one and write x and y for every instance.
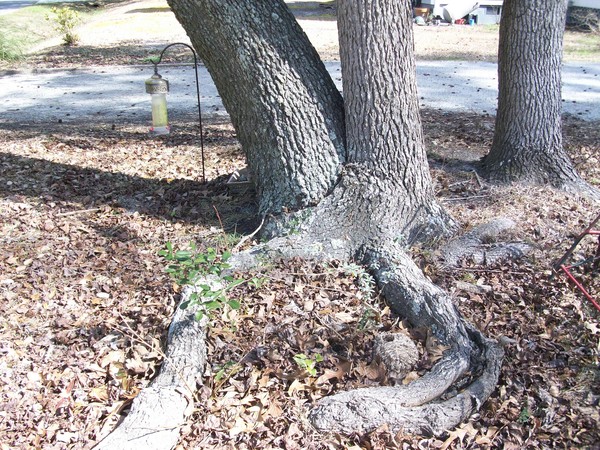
(484, 12)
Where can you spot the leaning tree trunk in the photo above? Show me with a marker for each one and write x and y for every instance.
(284, 105)
(528, 142)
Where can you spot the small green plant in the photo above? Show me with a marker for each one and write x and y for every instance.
(65, 20)
(308, 364)
(226, 370)
(366, 283)
(369, 317)
(11, 49)
(152, 59)
(257, 282)
(187, 267)
(524, 415)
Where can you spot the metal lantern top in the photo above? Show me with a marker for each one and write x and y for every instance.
(157, 84)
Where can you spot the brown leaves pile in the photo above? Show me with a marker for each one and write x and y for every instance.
(86, 303)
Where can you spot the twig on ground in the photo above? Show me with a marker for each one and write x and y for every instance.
(79, 211)
(479, 180)
(250, 236)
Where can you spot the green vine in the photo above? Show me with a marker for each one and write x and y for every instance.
(188, 267)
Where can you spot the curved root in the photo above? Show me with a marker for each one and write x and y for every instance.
(422, 406)
(364, 410)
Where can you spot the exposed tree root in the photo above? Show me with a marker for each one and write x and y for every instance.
(427, 405)
(422, 406)
(484, 245)
(364, 410)
(160, 410)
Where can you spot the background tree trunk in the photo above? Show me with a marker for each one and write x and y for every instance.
(527, 142)
(287, 111)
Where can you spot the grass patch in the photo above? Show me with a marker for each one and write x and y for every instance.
(25, 27)
(22, 29)
(11, 49)
(313, 10)
(581, 46)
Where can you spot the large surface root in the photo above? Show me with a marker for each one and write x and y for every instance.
(160, 410)
(426, 405)
(485, 244)
(364, 410)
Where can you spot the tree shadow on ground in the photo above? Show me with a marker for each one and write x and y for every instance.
(149, 10)
(73, 187)
(124, 53)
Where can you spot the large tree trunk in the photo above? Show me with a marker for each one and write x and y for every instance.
(286, 109)
(366, 205)
(386, 194)
(528, 142)
(386, 191)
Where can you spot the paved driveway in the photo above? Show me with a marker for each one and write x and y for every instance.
(7, 6)
(116, 94)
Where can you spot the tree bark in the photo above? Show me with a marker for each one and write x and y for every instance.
(159, 410)
(386, 191)
(362, 192)
(527, 143)
(285, 107)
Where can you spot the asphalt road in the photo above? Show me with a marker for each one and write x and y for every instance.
(7, 6)
(116, 94)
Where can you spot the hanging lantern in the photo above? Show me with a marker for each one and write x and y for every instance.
(158, 87)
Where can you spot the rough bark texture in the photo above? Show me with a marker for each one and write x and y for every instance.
(368, 203)
(387, 180)
(398, 354)
(386, 194)
(366, 409)
(160, 410)
(427, 405)
(287, 111)
(528, 142)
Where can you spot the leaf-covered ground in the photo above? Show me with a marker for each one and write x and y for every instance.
(86, 303)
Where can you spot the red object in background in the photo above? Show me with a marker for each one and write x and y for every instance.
(460, 21)
(595, 260)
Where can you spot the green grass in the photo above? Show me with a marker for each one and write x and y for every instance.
(311, 11)
(25, 27)
(22, 29)
(11, 49)
(582, 46)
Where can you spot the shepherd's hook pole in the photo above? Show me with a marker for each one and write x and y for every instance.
(157, 62)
